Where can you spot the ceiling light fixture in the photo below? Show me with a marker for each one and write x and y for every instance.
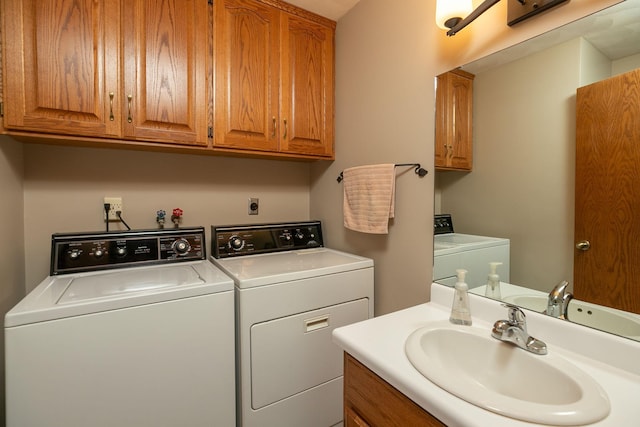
(449, 13)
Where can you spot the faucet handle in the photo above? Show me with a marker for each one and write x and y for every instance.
(516, 316)
(559, 290)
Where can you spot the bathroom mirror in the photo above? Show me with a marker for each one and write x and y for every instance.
(523, 180)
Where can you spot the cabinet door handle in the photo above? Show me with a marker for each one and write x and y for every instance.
(111, 95)
(284, 136)
(273, 134)
(129, 118)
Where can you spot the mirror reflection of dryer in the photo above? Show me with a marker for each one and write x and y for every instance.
(453, 251)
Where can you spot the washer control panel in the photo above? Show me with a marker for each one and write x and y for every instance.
(442, 224)
(77, 252)
(228, 241)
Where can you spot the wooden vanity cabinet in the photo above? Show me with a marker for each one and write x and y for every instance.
(273, 79)
(131, 69)
(454, 121)
(369, 401)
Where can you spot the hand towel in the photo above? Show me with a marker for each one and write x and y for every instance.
(369, 193)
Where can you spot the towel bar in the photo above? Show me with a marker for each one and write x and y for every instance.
(420, 171)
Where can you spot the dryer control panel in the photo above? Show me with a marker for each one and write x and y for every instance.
(238, 240)
(78, 252)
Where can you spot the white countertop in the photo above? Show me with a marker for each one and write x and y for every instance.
(378, 343)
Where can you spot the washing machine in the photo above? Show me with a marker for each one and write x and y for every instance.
(291, 292)
(131, 329)
(453, 251)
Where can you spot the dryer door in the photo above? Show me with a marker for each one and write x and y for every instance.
(295, 353)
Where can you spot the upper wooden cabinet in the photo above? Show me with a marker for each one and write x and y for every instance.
(129, 70)
(454, 114)
(60, 63)
(273, 79)
(164, 93)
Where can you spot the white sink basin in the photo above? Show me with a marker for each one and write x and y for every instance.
(500, 377)
(594, 316)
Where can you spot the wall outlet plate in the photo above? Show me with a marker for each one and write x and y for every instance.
(254, 205)
(116, 205)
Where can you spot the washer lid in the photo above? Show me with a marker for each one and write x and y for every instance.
(71, 295)
(264, 269)
(128, 282)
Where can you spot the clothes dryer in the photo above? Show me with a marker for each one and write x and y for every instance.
(291, 292)
(453, 251)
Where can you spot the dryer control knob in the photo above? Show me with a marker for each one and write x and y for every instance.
(236, 243)
(121, 251)
(98, 253)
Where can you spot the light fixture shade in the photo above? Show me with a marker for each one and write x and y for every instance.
(447, 9)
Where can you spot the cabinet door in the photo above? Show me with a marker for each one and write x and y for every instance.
(61, 64)
(247, 75)
(352, 419)
(454, 110)
(165, 70)
(306, 118)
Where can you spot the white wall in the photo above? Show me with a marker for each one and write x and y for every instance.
(626, 64)
(385, 114)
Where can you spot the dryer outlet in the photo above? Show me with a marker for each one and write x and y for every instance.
(254, 205)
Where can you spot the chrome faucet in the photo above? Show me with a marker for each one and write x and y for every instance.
(558, 301)
(514, 330)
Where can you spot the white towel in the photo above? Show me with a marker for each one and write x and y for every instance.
(369, 193)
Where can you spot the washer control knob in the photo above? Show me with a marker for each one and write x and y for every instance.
(98, 253)
(181, 246)
(236, 243)
(74, 253)
(121, 251)
(299, 235)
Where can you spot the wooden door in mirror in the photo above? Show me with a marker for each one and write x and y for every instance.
(607, 198)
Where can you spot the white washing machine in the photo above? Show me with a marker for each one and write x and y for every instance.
(453, 251)
(131, 329)
(291, 292)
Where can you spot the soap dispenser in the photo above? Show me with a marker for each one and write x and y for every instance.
(460, 312)
(493, 282)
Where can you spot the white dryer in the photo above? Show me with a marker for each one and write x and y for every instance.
(453, 251)
(131, 329)
(291, 292)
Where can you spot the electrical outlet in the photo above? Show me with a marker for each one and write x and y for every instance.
(116, 205)
(254, 204)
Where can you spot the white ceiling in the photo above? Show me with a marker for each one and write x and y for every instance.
(332, 9)
(614, 31)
